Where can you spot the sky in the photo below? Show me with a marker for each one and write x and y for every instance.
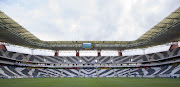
(87, 20)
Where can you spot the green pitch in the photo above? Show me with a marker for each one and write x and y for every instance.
(90, 82)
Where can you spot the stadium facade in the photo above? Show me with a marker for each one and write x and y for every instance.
(161, 64)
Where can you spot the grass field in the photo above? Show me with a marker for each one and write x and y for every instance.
(90, 82)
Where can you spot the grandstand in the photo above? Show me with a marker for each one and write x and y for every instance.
(162, 64)
(158, 64)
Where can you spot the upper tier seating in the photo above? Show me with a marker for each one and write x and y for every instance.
(90, 59)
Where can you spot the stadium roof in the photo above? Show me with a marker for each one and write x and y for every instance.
(166, 31)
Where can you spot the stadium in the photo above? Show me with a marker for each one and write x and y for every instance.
(157, 69)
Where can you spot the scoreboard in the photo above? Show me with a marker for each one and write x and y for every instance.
(88, 46)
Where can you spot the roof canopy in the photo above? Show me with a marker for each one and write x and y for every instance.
(166, 31)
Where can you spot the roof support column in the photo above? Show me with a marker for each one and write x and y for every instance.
(56, 53)
(77, 52)
(3, 47)
(32, 51)
(99, 52)
(174, 45)
(119, 53)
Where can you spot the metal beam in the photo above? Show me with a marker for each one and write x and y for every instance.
(165, 23)
(16, 27)
(158, 27)
(6, 23)
(176, 12)
(4, 18)
(173, 18)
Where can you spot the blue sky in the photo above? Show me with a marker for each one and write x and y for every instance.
(90, 20)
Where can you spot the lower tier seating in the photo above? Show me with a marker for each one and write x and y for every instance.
(162, 71)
